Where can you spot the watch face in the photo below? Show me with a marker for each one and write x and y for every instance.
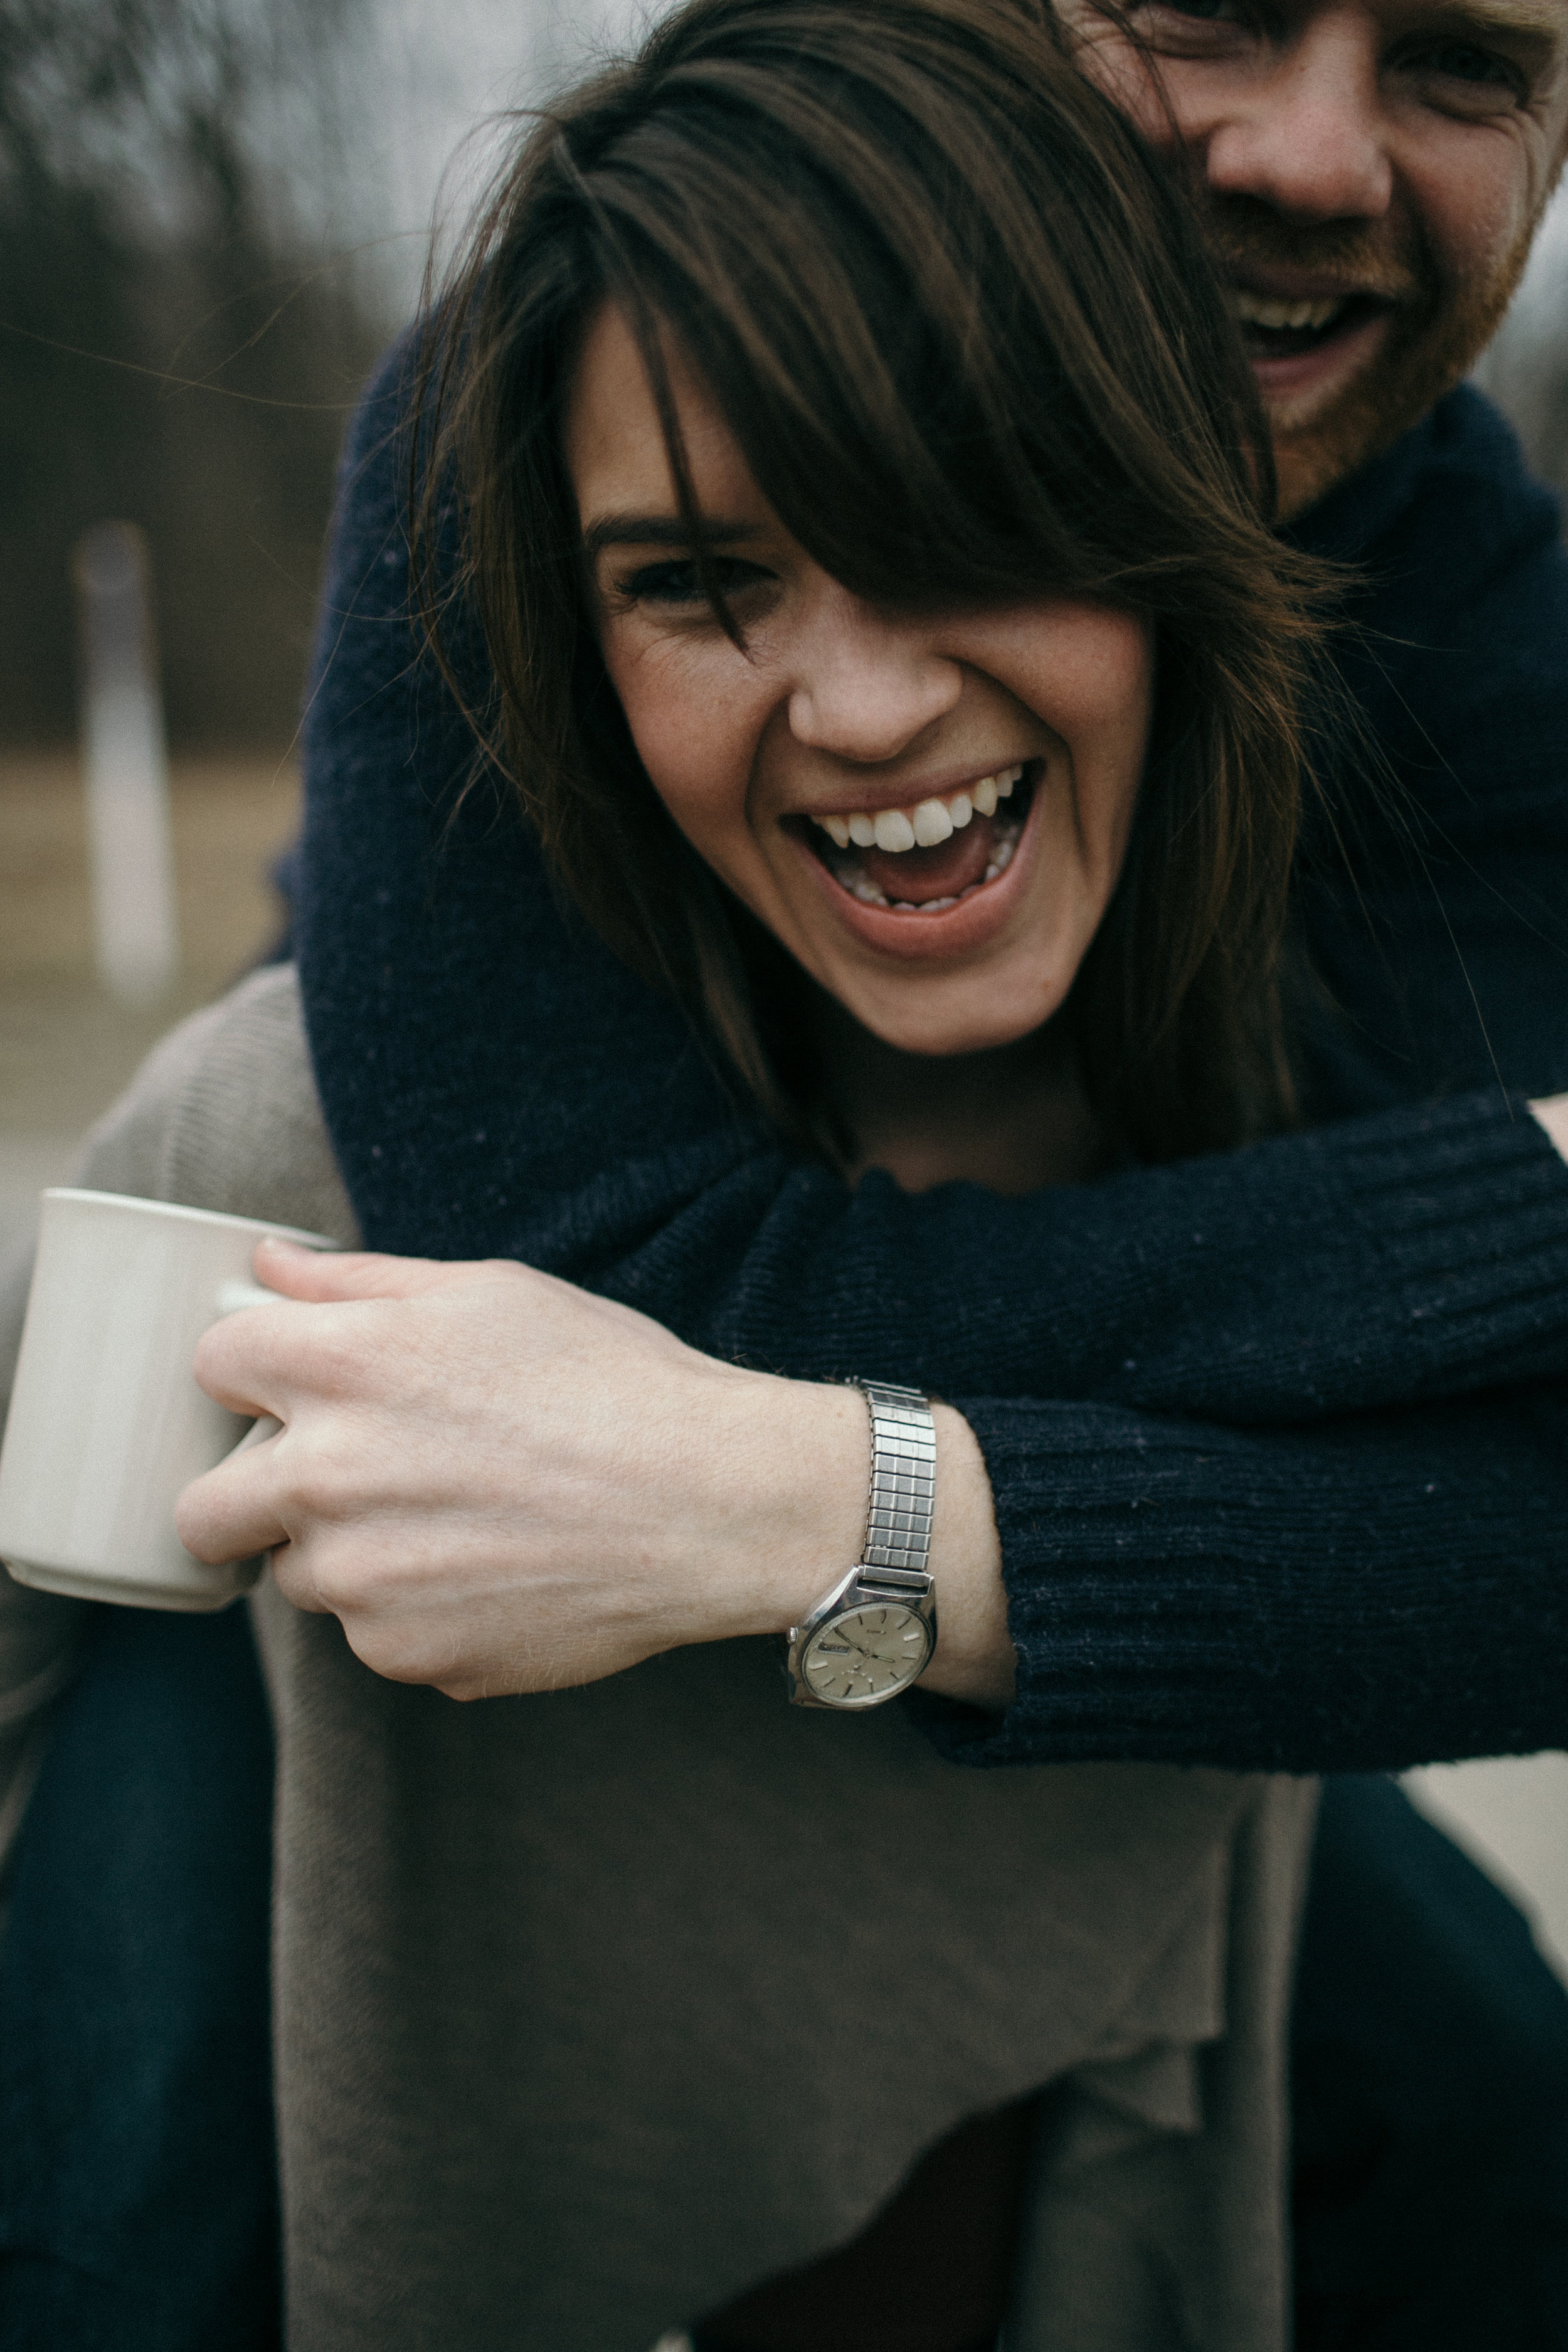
(866, 1655)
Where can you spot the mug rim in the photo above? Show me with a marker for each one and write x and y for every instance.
(184, 1213)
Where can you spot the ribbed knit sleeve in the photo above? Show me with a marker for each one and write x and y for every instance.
(1363, 1595)
(1376, 1262)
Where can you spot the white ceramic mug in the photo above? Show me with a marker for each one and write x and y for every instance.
(106, 1424)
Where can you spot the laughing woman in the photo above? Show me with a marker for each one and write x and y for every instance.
(837, 513)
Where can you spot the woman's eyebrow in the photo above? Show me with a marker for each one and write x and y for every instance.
(659, 530)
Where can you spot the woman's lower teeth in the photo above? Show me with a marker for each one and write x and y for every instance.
(870, 896)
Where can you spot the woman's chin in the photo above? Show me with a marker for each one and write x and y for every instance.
(937, 1007)
(949, 1023)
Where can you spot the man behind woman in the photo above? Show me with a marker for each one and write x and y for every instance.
(353, 1131)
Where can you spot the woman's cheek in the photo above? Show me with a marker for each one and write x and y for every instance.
(696, 725)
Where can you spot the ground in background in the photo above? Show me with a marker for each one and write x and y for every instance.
(66, 1047)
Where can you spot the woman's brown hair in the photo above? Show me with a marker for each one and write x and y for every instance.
(964, 330)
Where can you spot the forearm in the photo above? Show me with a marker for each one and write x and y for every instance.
(1365, 1596)
(774, 1508)
(1383, 1261)
(800, 1459)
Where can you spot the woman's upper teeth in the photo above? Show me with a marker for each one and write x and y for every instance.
(1258, 310)
(922, 824)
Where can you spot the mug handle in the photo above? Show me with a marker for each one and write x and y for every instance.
(232, 1297)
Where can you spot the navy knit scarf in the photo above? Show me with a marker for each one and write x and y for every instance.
(479, 1055)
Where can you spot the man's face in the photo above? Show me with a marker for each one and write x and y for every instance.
(1372, 170)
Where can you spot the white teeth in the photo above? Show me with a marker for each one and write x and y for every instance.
(1285, 317)
(859, 886)
(926, 823)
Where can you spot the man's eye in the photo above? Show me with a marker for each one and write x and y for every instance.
(680, 582)
(1469, 63)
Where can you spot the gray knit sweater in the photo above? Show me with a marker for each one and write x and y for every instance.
(595, 2008)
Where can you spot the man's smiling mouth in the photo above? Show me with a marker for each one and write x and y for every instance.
(929, 856)
(1275, 328)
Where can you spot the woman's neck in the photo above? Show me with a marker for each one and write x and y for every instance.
(1011, 1118)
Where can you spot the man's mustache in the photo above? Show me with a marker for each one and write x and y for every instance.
(1344, 257)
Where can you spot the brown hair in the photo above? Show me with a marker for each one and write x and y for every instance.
(965, 333)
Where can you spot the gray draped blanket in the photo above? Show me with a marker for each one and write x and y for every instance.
(594, 2009)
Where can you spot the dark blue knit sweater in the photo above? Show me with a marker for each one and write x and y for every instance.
(1279, 1451)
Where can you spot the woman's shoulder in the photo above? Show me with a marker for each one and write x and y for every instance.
(224, 1114)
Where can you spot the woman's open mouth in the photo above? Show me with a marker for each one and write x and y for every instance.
(928, 857)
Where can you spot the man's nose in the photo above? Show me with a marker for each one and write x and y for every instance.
(1307, 135)
(868, 683)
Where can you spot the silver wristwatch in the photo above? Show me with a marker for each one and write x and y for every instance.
(873, 1634)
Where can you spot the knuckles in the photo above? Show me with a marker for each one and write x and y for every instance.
(331, 1349)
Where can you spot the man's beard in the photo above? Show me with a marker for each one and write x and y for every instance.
(1437, 330)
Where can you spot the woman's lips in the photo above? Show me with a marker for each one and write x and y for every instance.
(940, 902)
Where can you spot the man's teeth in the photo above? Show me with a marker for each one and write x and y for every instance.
(1286, 317)
(925, 823)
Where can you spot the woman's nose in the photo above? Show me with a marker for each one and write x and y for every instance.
(1308, 137)
(868, 683)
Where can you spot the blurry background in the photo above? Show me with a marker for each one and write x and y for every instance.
(212, 213)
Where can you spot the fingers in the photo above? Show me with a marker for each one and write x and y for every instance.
(249, 1363)
(324, 1275)
(257, 1359)
(232, 1512)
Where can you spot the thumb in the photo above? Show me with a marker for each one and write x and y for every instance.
(326, 1274)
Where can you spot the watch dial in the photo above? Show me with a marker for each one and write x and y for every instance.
(866, 1655)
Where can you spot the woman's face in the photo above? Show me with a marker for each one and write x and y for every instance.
(930, 810)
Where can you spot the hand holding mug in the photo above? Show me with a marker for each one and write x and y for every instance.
(106, 1424)
(501, 1482)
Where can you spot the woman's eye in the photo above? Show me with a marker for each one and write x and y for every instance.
(1197, 12)
(1194, 28)
(679, 581)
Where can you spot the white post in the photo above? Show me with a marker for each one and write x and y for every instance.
(130, 841)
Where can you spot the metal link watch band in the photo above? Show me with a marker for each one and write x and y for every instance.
(897, 1550)
(874, 1631)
